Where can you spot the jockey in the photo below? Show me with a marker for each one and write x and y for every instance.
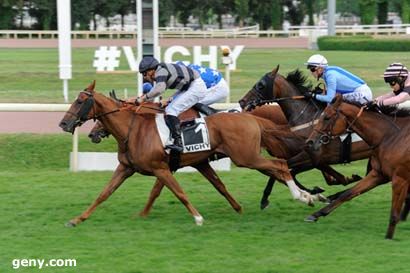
(396, 75)
(188, 83)
(217, 87)
(337, 80)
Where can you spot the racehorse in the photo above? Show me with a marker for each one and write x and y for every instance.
(301, 115)
(390, 159)
(99, 131)
(237, 135)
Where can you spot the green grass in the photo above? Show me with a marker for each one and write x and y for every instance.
(38, 195)
(31, 75)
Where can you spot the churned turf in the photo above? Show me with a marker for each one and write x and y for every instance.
(38, 195)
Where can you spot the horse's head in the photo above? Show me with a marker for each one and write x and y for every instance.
(262, 90)
(98, 132)
(80, 110)
(332, 123)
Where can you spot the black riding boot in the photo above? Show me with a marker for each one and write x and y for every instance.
(174, 126)
(205, 109)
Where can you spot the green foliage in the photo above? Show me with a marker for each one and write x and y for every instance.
(382, 9)
(405, 11)
(362, 43)
(367, 11)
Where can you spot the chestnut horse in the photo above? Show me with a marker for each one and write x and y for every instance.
(98, 132)
(239, 136)
(390, 159)
(301, 115)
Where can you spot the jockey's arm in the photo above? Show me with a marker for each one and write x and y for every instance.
(402, 97)
(330, 89)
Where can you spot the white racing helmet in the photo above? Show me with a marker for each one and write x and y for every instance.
(316, 60)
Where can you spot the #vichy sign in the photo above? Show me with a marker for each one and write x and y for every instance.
(108, 58)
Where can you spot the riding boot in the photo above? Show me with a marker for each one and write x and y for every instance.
(174, 126)
(205, 109)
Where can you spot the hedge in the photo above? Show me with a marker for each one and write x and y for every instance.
(363, 43)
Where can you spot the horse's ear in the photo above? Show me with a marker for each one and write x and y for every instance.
(91, 86)
(275, 70)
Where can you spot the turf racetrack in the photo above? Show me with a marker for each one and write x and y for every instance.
(39, 195)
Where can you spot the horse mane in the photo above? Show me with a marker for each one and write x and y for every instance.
(388, 110)
(300, 81)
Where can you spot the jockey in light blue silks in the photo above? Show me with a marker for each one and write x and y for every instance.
(337, 80)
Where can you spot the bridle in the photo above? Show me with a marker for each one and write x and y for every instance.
(85, 108)
(326, 135)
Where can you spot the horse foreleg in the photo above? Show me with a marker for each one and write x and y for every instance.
(369, 182)
(333, 177)
(166, 177)
(406, 208)
(155, 192)
(120, 174)
(206, 170)
(399, 193)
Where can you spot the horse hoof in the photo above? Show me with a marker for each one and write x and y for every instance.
(199, 220)
(239, 210)
(311, 219)
(70, 224)
(264, 204)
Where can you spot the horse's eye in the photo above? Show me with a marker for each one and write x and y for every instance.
(326, 118)
(79, 101)
(259, 86)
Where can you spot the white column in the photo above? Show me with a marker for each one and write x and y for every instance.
(64, 43)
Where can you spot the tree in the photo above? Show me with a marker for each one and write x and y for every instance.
(242, 10)
(310, 10)
(367, 11)
(276, 14)
(81, 14)
(295, 12)
(382, 9)
(7, 14)
(405, 11)
(45, 12)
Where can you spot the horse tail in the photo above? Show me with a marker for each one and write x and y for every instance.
(278, 139)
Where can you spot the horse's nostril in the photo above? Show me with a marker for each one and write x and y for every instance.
(63, 124)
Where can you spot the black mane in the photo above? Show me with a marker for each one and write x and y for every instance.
(389, 110)
(300, 81)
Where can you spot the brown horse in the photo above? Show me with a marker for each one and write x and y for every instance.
(239, 136)
(390, 159)
(302, 114)
(99, 131)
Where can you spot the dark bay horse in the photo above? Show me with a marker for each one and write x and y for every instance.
(236, 135)
(390, 159)
(302, 114)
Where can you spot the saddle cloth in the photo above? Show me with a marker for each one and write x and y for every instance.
(195, 135)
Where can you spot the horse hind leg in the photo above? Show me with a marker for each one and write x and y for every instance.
(166, 177)
(206, 170)
(399, 193)
(278, 169)
(406, 208)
